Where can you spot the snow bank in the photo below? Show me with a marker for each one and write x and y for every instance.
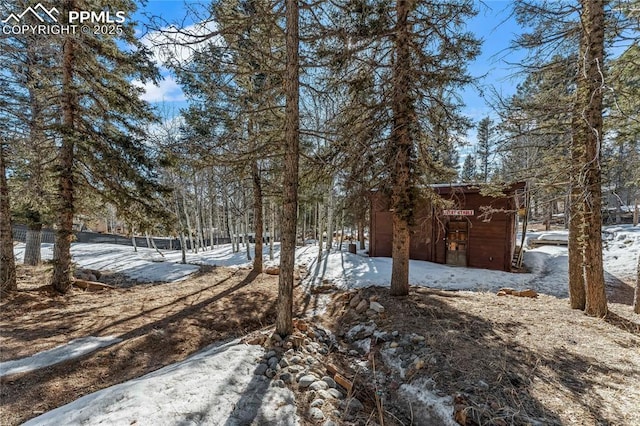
(74, 349)
(214, 387)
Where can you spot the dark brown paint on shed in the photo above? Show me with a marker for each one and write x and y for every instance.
(464, 240)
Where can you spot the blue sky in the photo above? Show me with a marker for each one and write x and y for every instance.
(493, 24)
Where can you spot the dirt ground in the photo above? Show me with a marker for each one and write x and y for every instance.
(513, 360)
(535, 358)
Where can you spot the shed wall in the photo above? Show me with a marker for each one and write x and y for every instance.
(491, 242)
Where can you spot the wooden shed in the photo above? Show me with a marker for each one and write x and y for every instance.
(459, 234)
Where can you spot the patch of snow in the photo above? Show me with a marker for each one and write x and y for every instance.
(363, 330)
(433, 409)
(556, 236)
(216, 386)
(390, 359)
(364, 345)
(74, 349)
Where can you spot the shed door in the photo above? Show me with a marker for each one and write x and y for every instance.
(457, 242)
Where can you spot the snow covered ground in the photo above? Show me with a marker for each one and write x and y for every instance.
(548, 264)
(214, 387)
(217, 386)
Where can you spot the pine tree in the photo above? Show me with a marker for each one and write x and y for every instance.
(102, 126)
(284, 319)
(468, 173)
(485, 148)
(236, 90)
(587, 140)
(636, 299)
(26, 85)
(415, 75)
(7, 261)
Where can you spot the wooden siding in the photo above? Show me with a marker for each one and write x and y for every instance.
(491, 242)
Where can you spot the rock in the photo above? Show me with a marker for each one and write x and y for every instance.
(296, 359)
(360, 331)
(284, 363)
(270, 373)
(355, 300)
(375, 306)
(319, 385)
(317, 403)
(334, 393)
(316, 414)
(364, 345)
(330, 423)
(295, 369)
(306, 380)
(273, 361)
(270, 354)
(286, 378)
(278, 384)
(272, 270)
(418, 364)
(324, 394)
(362, 306)
(352, 405)
(382, 336)
(394, 344)
(329, 381)
(416, 338)
(261, 369)
(276, 337)
(483, 385)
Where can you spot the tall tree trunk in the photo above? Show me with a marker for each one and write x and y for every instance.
(589, 93)
(246, 229)
(330, 218)
(61, 279)
(341, 229)
(321, 228)
(227, 222)
(636, 299)
(402, 197)
(8, 280)
(188, 222)
(258, 224)
(272, 229)
(361, 233)
(304, 226)
(210, 219)
(575, 245)
(284, 319)
(183, 241)
(32, 249)
(133, 239)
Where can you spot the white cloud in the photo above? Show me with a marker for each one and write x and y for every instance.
(167, 90)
